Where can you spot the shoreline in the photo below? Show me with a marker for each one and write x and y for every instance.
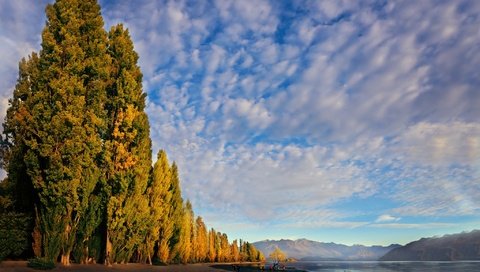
(21, 266)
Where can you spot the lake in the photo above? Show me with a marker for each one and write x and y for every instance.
(345, 266)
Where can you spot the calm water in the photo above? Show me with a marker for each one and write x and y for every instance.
(465, 266)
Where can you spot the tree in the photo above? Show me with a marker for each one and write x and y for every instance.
(234, 251)
(64, 119)
(201, 243)
(260, 257)
(166, 224)
(184, 245)
(159, 197)
(14, 129)
(218, 247)
(176, 215)
(212, 254)
(194, 256)
(225, 253)
(128, 151)
(88, 245)
(19, 198)
(277, 255)
(243, 251)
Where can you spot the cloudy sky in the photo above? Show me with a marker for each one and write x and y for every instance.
(343, 121)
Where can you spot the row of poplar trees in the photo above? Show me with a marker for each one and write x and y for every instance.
(77, 150)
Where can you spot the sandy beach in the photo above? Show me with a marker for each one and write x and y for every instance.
(20, 266)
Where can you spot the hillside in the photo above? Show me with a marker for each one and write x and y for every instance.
(311, 250)
(455, 247)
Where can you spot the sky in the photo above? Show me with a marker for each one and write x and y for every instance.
(355, 122)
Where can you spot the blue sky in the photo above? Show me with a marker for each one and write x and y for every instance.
(344, 121)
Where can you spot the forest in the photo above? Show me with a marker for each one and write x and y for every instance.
(81, 184)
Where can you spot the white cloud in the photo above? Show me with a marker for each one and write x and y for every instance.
(264, 181)
(247, 16)
(439, 197)
(386, 218)
(255, 113)
(440, 143)
(354, 100)
(327, 224)
(414, 226)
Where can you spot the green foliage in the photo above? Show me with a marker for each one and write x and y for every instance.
(60, 118)
(159, 195)
(184, 246)
(176, 215)
(14, 130)
(128, 152)
(6, 201)
(41, 264)
(14, 233)
(51, 227)
(88, 245)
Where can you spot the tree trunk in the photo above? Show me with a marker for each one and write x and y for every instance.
(65, 260)
(37, 236)
(85, 253)
(108, 248)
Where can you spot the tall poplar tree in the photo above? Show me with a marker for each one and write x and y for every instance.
(201, 243)
(234, 251)
(166, 225)
(184, 245)
(64, 121)
(212, 253)
(176, 215)
(127, 149)
(16, 192)
(159, 196)
(225, 254)
(14, 128)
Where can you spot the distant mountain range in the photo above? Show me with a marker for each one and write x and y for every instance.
(304, 249)
(454, 247)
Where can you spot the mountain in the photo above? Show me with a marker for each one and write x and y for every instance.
(454, 247)
(311, 250)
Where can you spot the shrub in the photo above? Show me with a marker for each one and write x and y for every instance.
(13, 234)
(41, 264)
(156, 261)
